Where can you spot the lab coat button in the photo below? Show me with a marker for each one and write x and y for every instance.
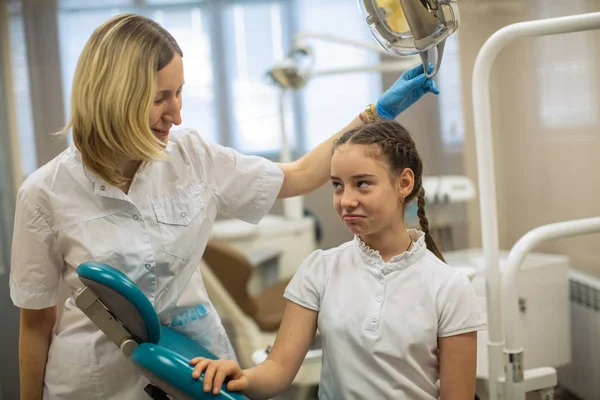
(103, 187)
(374, 319)
(135, 217)
(382, 281)
(147, 266)
(379, 299)
(183, 214)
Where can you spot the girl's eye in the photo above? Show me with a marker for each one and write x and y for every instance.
(363, 184)
(159, 101)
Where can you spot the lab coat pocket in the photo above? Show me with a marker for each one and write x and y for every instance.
(71, 371)
(180, 221)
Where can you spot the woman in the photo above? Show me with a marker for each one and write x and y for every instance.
(136, 195)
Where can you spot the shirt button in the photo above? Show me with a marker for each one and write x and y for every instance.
(374, 319)
(379, 299)
(147, 266)
(183, 214)
(382, 281)
(102, 187)
(135, 217)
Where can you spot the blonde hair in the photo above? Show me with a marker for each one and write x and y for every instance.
(113, 90)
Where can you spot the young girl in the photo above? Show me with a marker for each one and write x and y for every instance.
(393, 317)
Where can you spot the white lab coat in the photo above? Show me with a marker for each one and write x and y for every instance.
(156, 234)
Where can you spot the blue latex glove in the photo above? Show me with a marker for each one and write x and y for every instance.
(406, 91)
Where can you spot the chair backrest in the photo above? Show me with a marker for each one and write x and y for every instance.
(123, 299)
(234, 271)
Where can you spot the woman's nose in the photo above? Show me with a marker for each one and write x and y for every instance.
(173, 113)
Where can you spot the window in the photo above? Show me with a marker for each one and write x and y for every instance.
(22, 96)
(255, 39)
(333, 100)
(228, 47)
(452, 123)
(189, 25)
(566, 72)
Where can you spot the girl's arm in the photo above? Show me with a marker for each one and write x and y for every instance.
(277, 372)
(458, 364)
(294, 338)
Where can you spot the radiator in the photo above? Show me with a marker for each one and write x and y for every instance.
(581, 376)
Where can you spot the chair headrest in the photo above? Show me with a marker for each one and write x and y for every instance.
(123, 299)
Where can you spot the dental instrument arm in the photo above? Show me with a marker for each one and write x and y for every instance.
(311, 171)
(34, 341)
(458, 361)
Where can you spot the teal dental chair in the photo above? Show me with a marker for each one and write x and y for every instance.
(119, 308)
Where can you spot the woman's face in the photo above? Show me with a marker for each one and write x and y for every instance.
(166, 108)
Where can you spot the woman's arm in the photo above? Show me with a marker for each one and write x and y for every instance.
(312, 170)
(277, 372)
(458, 364)
(34, 341)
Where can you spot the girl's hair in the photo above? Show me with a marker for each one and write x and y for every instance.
(399, 151)
(113, 90)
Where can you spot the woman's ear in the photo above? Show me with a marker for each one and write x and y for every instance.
(405, 183)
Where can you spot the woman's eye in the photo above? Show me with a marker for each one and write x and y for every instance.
(336, 185)
(363, 184)
(159, 101)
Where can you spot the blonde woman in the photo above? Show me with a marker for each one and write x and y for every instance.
(134, 194)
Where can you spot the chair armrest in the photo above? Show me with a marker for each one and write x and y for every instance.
(176, 371)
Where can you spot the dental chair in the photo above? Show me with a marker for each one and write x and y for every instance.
(119, 308)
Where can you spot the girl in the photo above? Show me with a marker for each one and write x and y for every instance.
(393, 317)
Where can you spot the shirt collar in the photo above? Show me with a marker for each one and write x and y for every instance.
(373, 259)
(101, 188)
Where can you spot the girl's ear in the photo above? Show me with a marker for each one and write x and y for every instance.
(405, 183)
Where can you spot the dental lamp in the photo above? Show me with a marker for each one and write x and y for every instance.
(408, 27)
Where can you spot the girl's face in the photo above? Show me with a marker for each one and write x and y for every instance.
(365, 196)
(166, 108)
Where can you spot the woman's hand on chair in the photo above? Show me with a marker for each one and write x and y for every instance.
(215, 373)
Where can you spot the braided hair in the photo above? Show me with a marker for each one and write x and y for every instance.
(397, 148)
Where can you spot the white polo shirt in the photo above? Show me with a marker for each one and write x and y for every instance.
(156, 234)
(380, 322)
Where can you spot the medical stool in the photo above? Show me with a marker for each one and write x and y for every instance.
(119, 308)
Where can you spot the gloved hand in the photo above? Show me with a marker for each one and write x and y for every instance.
(409, 88)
